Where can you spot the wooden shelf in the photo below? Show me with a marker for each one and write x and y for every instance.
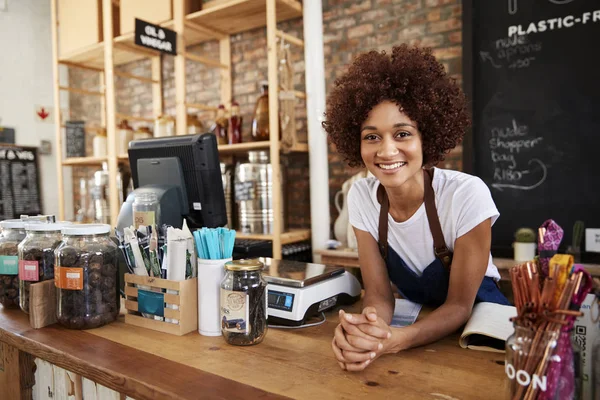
(237, 16)
(83, 161)
(244, 147)
(293, 236)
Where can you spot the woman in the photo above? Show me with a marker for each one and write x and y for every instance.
(399, 115)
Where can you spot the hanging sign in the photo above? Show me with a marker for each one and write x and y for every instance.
(155, 37)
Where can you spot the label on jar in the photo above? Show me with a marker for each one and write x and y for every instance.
(145, 218)
(29, 270)
(235, 312)
(68, 278)
(9, 265)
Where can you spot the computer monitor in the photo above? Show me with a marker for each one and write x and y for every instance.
(185, 174)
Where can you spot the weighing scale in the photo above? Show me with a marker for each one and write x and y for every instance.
(298, 291)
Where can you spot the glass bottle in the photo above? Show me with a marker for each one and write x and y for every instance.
(260, 121)
(145, 209)
(220, 126)
(235, 124)
(86, 277)
(243, 303)
(13, 232)
(36, 257)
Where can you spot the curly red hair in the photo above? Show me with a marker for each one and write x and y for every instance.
(412, 78)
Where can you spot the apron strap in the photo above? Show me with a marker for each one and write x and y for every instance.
(439, 244)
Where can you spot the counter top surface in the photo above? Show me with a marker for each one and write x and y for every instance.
(290, 363)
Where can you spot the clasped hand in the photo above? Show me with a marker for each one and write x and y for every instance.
(360, 339)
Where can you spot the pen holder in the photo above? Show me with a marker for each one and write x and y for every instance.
(176, 301)
(210, 275)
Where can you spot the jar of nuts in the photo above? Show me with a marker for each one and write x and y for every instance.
(13, 232)
(86, 277)
(36, 257)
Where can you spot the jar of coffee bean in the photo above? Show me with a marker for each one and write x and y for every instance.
(36, 256)
(86, 277)
(243, 303)
(13, 232)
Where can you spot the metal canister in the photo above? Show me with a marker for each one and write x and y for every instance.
(226, 178)
(254, 194)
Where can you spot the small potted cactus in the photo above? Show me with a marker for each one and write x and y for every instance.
(524, 245)
(575, 248)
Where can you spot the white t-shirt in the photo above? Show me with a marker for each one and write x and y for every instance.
(463, 201)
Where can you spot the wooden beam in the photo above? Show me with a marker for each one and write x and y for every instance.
(225, 59)
(111, 118)
(137, 77)
(272, 65)
(180, 77)
(133, 117)
(135, 49)
(157, 97)
(198, 106)
(71, 64)
(289, 38)
(80, 91)
(205, 60)
(57, 120)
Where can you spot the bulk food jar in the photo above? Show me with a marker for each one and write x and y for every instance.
(36, 257)
(243, 303)
(86, 277)
(13, 232)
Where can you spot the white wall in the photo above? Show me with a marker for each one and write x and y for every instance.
(26, 81)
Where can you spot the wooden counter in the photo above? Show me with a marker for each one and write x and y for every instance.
(349, 258)
(145, 364)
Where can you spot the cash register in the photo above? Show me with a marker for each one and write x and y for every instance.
(298, 291)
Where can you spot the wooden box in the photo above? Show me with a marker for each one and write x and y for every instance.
(186, 298)
(80, 24)
(161, 11)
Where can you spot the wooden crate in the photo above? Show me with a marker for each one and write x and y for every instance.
(161, 11)
(186, 298)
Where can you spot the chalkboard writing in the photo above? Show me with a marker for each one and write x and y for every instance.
(19, 180)
(75, 138)
(245, 190)
(536, 98)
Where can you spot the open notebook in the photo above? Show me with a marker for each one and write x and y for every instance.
(487, 329)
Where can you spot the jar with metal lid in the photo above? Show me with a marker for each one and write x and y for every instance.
(36, 256)
(243, 303)
(86, 277)
(13, 232)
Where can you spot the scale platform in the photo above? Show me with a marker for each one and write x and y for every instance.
(298, 291)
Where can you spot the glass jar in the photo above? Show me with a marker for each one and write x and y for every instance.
(124, 136)
(536, 362)
(86, 277)
(164, 126)
(145, 209)
(234, 134)
(194, 125)
(243, 303)
(36, 257)
(13, 232)
(142, 133)
(99, 144)
(221, 125)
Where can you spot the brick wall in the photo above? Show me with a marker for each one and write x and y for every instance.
(350, 27)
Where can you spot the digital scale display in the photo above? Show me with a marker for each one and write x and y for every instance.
(281, 300)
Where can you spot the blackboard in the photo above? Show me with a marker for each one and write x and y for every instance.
(19, 180)
(7, 135)
(75, 138)
(530, 67)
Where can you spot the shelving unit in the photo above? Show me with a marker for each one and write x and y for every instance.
(217, 21)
